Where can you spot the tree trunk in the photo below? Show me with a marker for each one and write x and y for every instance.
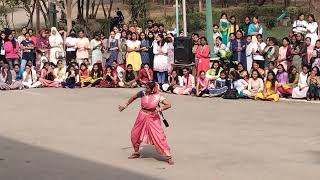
(38, 15)
(110, 9)
(31, 14)
(200, 6)
(69, 15)
(165, 7)
(104, 10)
(87, 10)
(45, 15)
(96, 12)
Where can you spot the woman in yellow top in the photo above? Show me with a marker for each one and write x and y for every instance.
(270, 89)
(96, 75)
(133, 49)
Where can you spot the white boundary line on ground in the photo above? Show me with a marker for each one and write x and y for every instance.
(300, 100)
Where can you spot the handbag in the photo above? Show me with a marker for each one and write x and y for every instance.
(231, 92)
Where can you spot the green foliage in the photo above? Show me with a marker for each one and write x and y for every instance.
(196, 22)
(138, 9)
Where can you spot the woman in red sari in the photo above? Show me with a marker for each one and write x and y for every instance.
(147, 128)
(202, 54)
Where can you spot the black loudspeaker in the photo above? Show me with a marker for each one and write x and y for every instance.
(183, 50)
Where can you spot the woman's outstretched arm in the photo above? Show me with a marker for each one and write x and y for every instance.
(123, 107)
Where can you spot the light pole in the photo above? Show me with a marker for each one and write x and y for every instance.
(209, 28)
(177, 18)
(184, 17)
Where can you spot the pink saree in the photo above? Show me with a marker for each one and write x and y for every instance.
(147, 128)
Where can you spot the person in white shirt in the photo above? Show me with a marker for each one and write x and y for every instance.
(300, 25)
(312, 29)
(70, 45)
(118, 69)
(258, 50)
(250, 50)
(56, 44)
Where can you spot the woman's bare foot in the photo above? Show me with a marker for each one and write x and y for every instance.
(135, 155)
(170, 161)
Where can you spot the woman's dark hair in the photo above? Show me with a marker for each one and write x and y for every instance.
(204, 38)
(281, 65)
(300, 14)
(222, 14)
(186, 68)
(259, 75)
(291, 76)
(144, 35)
(318, 71)
(195, 34)
(218, 68)
(215, 25)
(151, 85)
(219, 38)
(274, 40)
(162, 42)
(225, 73)
(274, 79)
(129, 65)
(81, 31)
(99, 71)
(287, 39)
(239, 31)
(72, 33)
(243, 65)
(83, 64)
(52, 64)
(14, 43)
(260, 35)
(45, 64)
(235, 75)
(202, 72)
(312, 16)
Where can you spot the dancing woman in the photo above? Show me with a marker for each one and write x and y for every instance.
(147, 128)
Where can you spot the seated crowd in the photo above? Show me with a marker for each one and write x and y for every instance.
(130, 57)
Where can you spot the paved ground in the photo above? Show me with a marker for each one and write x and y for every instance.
(63, 134)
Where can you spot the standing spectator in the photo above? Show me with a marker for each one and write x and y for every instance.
(284, 57)
(316, 55)
(117, 33)
(22, 35)
(27, 47)
(11, 48)
(271, 52)
(122, 49)
(202, 54)
(71, 47)
(238, 47)
(299, 52)
(170, 41)
(113, 47)
(2, 50)
(310, 48)
(42, 49)
(160, 49)
(144, 48)
(312, 29)
(33, 37)
(83, 47)
(259, 47)
(216, 33)
(151, 42)
(300, 25)
(250, 50)
(56, 44)
(255, 28)
(133, 56)
(96, 47)
(224, 28)
(234, 27)
(245, 26)
(149, 26)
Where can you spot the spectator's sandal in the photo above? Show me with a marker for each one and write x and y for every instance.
(135, 155)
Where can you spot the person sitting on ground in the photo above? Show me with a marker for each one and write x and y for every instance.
(174, 81)
(255, 85)
(314, 84)
(130, 78)
(270, 89)
(47, 76)
(188, 83)
(96, 75)
(72, 78)
(219, 87)
(145, 75)
(238, 83)
(244, 74)
(17, 71)
(109, 80)
(59, 72)
(271, 67)
(29, 79)
(256, 66)
(301, 90)
(214, 73)
(84, 75)
(285, 90)
(119, 70)
(282, 78)
(202, 85)
(8, 79)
